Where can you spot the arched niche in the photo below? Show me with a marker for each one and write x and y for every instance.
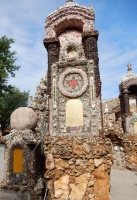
(133, 98)
(74, 113)
(71, 45)
(133, 90)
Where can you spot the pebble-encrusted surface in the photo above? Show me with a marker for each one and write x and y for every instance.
(72, 15)
(130, 148)
(40, 105)
(112, 105)
(30, 178)
(128, 109)
(124, 145)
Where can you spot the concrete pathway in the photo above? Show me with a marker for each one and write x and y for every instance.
(123, 181)
(1, 161)
(123, 184)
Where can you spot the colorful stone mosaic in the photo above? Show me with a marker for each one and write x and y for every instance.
(73, 129)
(73, 83)
(57, 122)
(54, 93)
(71, 51)
(70, 35)
(79, 17)
(64, 78)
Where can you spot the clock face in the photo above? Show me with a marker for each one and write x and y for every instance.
(73, 82)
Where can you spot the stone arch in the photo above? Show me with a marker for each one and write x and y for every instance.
(74, 113)
(70, 23)
(67, 17)
(129, 83)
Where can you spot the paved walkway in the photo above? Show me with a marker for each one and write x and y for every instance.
(123, 181)
(123, 184)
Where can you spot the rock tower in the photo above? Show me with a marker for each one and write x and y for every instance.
(78, 158)
(74, 85)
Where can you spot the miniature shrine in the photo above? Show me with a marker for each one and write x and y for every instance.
(120, 122)
(128, 100)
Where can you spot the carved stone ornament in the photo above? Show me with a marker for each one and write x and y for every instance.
(67, 1)
(72, 51)
(62, 89)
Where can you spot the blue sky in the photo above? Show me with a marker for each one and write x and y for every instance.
(117, 44)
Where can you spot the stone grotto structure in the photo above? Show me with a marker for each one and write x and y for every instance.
(120, 122)
(78, 157)
(62, 146)
(56, 148)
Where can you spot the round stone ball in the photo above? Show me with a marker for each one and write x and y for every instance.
(23, 118)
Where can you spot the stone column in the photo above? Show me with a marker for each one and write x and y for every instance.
(126, 108)
(91, 52)
(126, 101)
(53, 56)
(122, 109)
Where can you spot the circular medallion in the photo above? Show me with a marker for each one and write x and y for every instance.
(73, 83)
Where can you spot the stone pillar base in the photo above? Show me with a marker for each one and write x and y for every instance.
(78, 167)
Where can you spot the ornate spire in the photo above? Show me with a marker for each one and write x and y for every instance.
(129, 73)
(91, 9)
(67, 1)
(129, 67)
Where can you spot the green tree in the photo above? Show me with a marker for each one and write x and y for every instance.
(7, 63)
(9, 101)
(10, 97)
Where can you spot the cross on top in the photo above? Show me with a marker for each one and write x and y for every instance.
(69, 1)
(129, 67)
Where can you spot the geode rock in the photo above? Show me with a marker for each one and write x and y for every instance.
(23, 118)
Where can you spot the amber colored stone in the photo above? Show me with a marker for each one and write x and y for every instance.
(17, 161)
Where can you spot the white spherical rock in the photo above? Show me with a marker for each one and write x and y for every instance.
(23, 118)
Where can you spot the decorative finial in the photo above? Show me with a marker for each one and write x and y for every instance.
(129, 67)
(91, 9)
(67, 1)
(106, 109)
